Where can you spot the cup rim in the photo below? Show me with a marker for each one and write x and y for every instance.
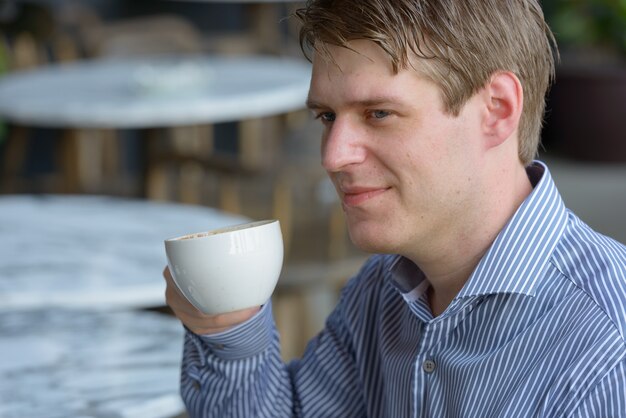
(221, 230)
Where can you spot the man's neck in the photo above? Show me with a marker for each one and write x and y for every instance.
(449, 263)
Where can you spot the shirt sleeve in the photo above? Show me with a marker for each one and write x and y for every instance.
(239, 373)
(236, 373)
(608, 398)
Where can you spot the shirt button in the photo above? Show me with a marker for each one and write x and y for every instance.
(429, 366)
(196, 385)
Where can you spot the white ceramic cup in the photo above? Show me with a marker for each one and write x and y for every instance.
(227, 269)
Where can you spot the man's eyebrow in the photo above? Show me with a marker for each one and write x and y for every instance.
(371, 102)
(312, 104)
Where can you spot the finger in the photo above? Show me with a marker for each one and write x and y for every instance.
(195, 319)
(171, 288)
(169, 279)
(175, 299)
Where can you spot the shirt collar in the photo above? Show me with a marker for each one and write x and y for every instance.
(515, 260)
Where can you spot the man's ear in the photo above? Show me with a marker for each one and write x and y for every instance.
(504, 99)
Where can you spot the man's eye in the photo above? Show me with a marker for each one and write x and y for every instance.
(379, 114)
(326, 117)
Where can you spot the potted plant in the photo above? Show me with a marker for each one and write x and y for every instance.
(586, 112)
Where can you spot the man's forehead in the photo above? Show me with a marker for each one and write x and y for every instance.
(374, 92)
(360, 51)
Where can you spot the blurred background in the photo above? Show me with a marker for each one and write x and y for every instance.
(179, 105)
(584, 137)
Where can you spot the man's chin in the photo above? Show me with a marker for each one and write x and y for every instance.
(371, 242)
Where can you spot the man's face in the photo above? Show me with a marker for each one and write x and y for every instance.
(403, 168)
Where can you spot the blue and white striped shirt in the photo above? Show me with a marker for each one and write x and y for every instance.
(539, 330)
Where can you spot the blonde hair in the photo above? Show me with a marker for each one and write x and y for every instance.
(461, 44)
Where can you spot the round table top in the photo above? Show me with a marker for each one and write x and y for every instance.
(91, 251)
(71, 364)
(154, 92)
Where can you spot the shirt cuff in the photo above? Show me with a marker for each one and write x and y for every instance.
(245, 340)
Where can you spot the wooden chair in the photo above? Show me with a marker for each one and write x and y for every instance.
(148, 35)
(26, 52)
(40, 41)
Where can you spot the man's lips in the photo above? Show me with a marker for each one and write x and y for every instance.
(356, 196)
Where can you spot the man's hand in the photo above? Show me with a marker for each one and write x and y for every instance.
(197, 321)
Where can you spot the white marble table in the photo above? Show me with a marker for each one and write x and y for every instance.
(154, 92)
(89, 251)
(69, 364)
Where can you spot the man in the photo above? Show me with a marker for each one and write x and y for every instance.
(492, 299)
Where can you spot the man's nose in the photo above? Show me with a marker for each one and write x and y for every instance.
(342, 146)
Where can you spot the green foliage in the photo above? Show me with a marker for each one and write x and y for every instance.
(588, 23)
